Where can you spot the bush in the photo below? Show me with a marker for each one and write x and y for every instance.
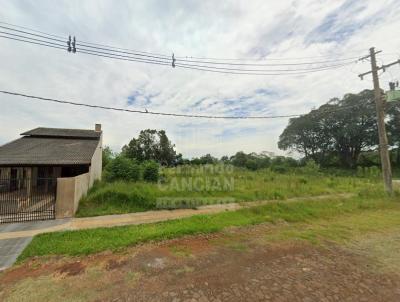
(369, 172)
(151, 171)
(122, 168)
(311, 167)
(279, 169)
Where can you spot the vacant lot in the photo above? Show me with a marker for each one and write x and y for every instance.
(204, 185)
(332, 249)
(348, 257)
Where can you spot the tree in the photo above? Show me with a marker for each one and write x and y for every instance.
(252, 161)
(353, 130)
(122, 168)
(151, 145)
(239, 159)
(225, 159)
(394, 128)
(151, 171)
(107, 155)
(337, 131)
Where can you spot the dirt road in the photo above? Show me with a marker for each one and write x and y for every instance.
(237, 265)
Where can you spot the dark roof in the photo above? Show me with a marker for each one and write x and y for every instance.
(47, 151)
(58, 132)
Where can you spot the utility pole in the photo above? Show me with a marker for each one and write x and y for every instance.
(380, 111)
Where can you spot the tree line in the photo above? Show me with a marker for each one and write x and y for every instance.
(343, 132)
(153, 146)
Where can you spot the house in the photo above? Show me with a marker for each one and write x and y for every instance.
(48, 169)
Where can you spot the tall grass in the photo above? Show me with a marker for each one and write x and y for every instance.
(125, 197)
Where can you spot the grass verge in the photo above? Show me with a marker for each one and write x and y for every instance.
(96, 240)
(341, 229)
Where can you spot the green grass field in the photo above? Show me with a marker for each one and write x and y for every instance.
(239, 185)
(299, 214)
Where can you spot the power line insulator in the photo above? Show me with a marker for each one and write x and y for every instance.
(69, 44)
(173, 60)
(74, 45)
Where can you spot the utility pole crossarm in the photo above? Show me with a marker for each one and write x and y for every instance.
(383, 67)
(367, 56)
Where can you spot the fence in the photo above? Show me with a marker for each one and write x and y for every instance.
(26, 199)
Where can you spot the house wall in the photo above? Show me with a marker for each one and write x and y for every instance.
(69, 192)
(96, 165)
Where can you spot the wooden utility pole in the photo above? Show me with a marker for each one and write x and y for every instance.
(380, 111)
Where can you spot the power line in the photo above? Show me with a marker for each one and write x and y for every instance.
(32, 34)
(181, 59)
(165, 57)
(263, 59)
(32, 97)
(267, 70)
(61, 37)
(259, 74)
(123, 59)
(31, 29)
(269, 64)
(31, 42)
(208, 68)
(32, 39)
(85, 45)
(144, 111)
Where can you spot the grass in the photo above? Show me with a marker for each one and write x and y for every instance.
(243, 185)
(343, 228)
(85, 242)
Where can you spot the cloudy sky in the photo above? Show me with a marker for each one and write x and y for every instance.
(297, 31)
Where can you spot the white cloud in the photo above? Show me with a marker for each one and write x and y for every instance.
(188, 28)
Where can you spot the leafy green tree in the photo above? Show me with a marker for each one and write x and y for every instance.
(151, 171)
(122, 168)
(394, 129)
(151, 145)
(252, 161)
(339, 130)
(225, 159)
(239, 159)
(107, 155)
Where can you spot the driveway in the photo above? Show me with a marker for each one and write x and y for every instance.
(10, 248)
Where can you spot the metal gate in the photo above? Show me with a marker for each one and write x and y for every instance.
(27, 199)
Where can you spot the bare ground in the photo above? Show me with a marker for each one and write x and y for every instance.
(236, 265)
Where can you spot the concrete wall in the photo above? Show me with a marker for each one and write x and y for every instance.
(96, 165)
(69, 191)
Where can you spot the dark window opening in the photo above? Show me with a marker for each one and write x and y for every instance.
(71, 171)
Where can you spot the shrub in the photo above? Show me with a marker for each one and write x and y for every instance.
(251, 164)
(368, 172)
(151, 171)
(311, 167)
(122, 168)
(279, 169)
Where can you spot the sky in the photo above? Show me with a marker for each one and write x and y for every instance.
(251, 29)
